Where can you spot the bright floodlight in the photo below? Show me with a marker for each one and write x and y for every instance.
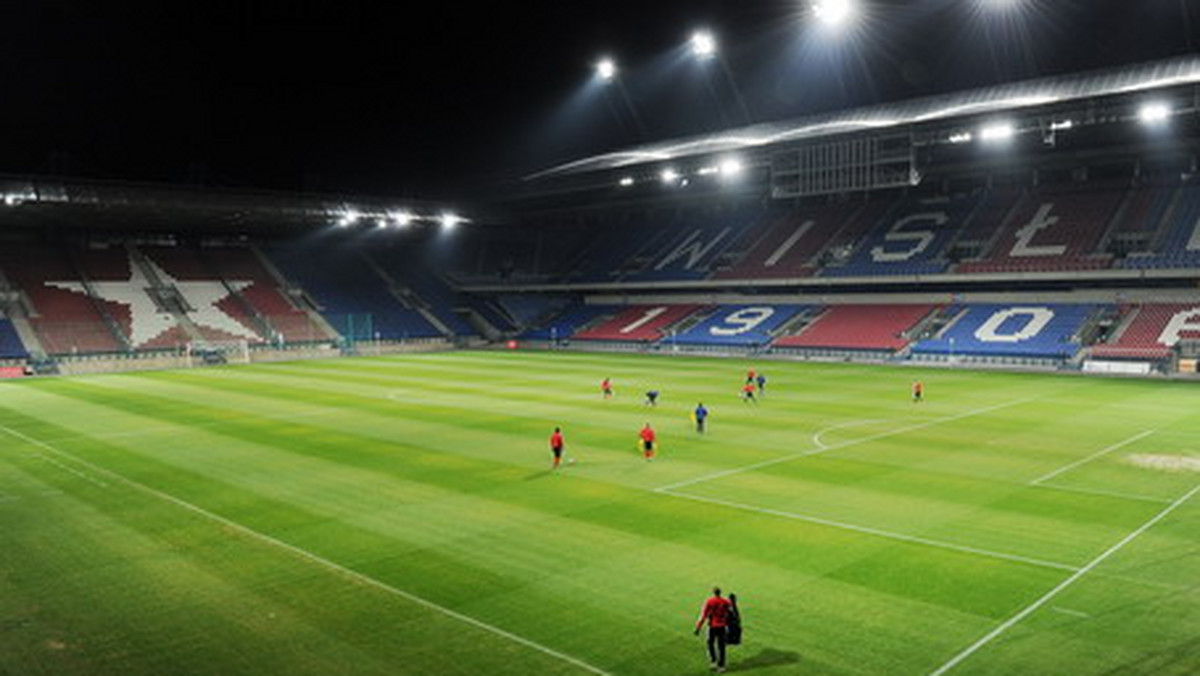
(1000, 131)
(403, 219)
(1154, 113)
(606, 69)
(961, 137)
(669, 176)
(731, 167)
(1000, 4)
(834, 12)
(449, 220)
(348, 219)
(704, 45)
(626, 182)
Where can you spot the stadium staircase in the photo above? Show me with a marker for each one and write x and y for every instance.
(166, 297)
(97, 305)
(297, 300)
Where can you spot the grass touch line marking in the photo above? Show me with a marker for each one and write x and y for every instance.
(1048, 596)
(866, 530)
(1099, 454)
(311, 557)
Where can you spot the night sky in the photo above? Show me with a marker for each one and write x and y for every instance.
(451, 99)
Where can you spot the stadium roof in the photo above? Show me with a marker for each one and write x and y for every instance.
(1181, 71)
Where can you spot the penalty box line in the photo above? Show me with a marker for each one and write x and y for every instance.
(309, 556)
(826, 449)
(866, 530)
(1048, 596)
(1099, 454)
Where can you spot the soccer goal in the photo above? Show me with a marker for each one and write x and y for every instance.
(216, 352)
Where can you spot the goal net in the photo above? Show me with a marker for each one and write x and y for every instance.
(216, 352)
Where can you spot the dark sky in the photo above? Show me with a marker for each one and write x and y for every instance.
(446, 99)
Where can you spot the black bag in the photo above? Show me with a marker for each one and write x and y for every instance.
(733, 626)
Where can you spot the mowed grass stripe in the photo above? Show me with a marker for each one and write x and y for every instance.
(142, 407)
(308, 556)
(674, 519)
(698, 555)
(546, 556)
(952, 511)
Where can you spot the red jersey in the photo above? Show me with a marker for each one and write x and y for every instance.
(647, 434)
(748, 388)
(556, 440)
(716, 611)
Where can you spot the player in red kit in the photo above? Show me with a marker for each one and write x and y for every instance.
(606, 388)
(918, 392)
(716, 612)
(556, 446)
(647, 438)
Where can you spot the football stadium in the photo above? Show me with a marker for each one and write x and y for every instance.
(914, 378)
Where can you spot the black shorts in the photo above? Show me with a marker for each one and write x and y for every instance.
(647, 445)
(557, 451)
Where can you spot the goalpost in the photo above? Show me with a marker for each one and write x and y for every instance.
(217, 352)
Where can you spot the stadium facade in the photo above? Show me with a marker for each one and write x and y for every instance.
(1044, 224)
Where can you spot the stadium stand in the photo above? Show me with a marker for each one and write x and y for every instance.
(859, 327)
(530, 310)
(1180, 243)
(911, 240)
(1054, 229)
(1152, 331)
(229, 317)
(695, 244)
(66, 319)
(1034, 330)
(642, 323)
(571, 321)
(344, 285)
(11, 346)
(739, 325)
(789, 244)
(264, 294)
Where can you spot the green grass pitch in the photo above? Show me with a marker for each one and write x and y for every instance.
(398, 516)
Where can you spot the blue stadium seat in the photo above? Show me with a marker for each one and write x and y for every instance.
(572, 320)
(739, 325)
(910, 240)
(10, 343)
(1035, 330)
(344, 285)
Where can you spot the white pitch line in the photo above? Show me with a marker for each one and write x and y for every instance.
(1068, 611)
(817, 438)
(52, 461)
(1106, 494)
(314, 558)
(1031, 608)
(853, 442)
(911, 539)
(1094, 456)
